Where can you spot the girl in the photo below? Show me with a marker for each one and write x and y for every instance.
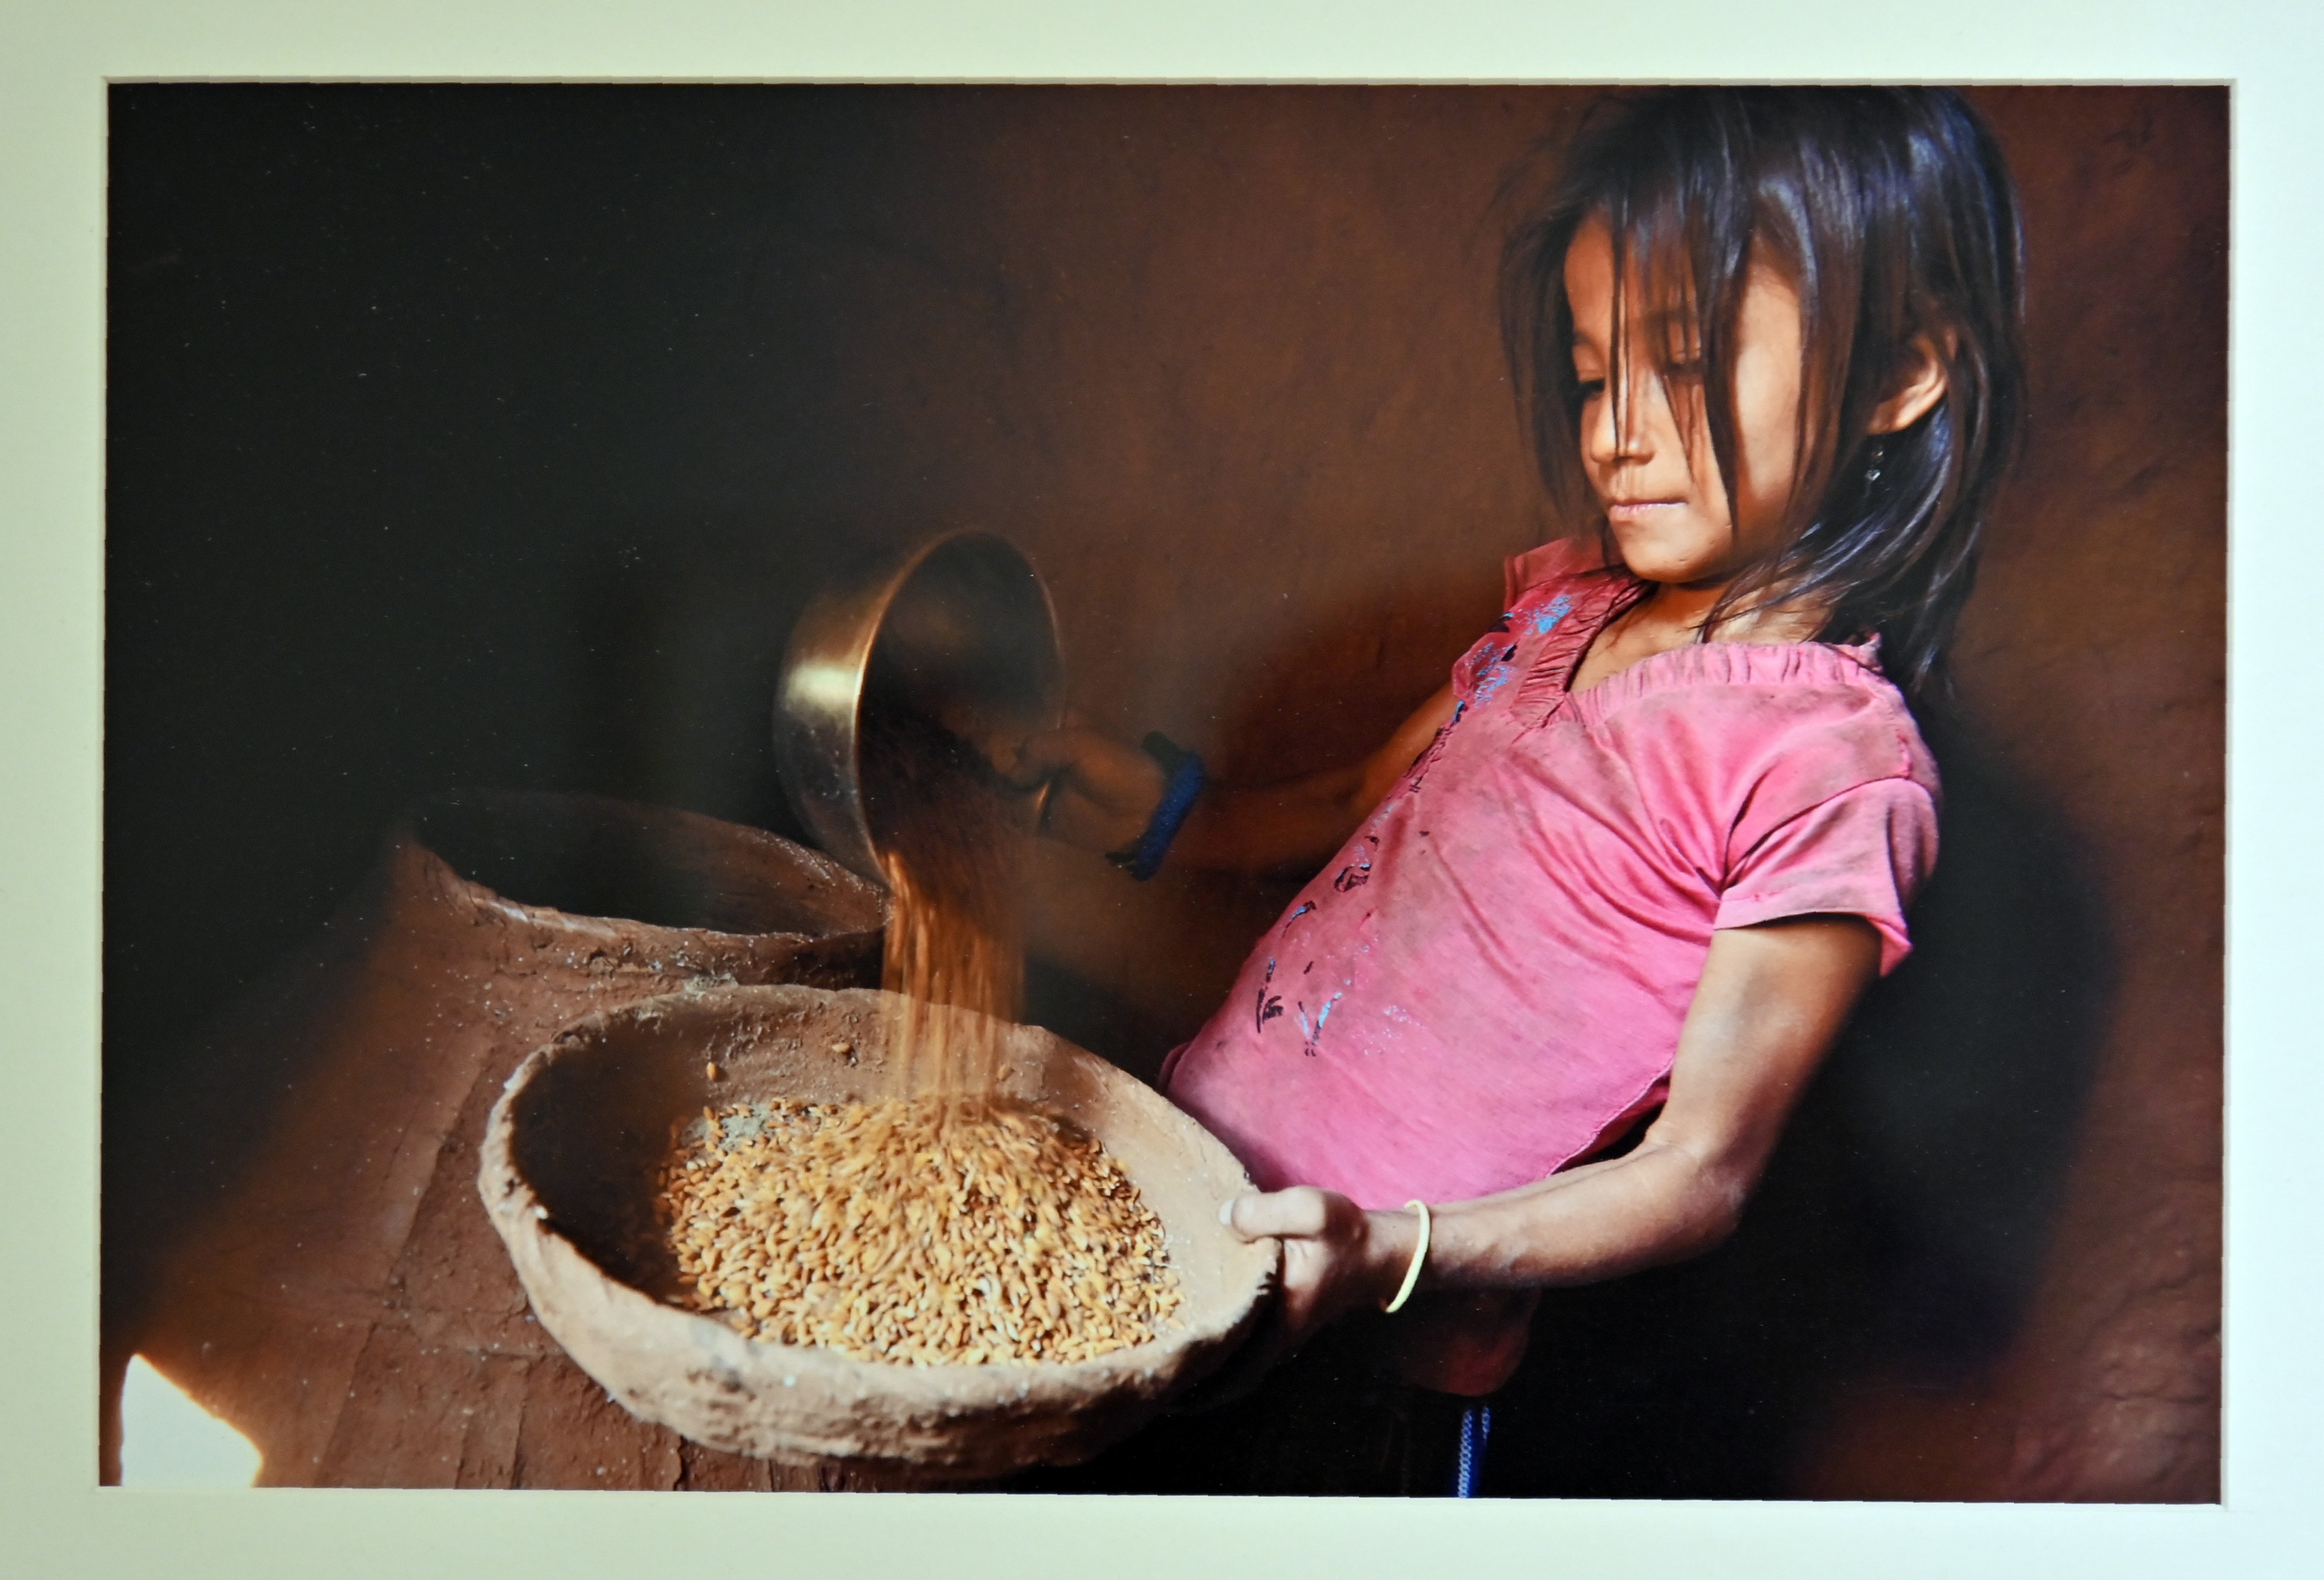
(1634, 864)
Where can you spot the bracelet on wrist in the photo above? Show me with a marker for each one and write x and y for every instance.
(1183, 782)
(1419, 1260)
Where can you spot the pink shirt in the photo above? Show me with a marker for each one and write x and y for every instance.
(1486, 983)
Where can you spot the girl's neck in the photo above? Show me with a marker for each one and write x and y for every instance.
(1672, 615)
(1678, 610)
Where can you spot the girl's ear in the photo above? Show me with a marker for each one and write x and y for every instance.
(1922, 387)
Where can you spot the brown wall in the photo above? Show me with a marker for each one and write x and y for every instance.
(524, 420)
(2095, 658)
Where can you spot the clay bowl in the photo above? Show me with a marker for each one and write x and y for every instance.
(568, 1161)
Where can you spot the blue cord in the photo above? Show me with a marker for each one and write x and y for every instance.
(1476, 1427)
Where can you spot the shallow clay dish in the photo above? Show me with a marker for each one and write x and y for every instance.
(567, 1176)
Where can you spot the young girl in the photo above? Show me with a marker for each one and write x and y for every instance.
(1634, 864)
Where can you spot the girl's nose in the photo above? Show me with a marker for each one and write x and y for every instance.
(1618, 428)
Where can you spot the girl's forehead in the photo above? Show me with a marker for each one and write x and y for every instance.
(1656, 291)
(1652, 296)
(1654, 262)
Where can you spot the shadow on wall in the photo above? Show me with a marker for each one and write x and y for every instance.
(1902, 1223)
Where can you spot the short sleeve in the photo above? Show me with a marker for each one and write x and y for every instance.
(1863, 851)
(1561, 560)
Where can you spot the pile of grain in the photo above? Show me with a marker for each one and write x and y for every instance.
(926, 1231)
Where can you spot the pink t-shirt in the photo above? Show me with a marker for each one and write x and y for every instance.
(1487, 981)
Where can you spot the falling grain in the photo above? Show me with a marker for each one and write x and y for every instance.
(951, 848)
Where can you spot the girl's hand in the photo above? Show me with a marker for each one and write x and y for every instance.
(1336, 1256)
(1106, 791)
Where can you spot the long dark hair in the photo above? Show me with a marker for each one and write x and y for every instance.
(1891, 212)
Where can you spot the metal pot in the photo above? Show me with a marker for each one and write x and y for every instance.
(958, 629)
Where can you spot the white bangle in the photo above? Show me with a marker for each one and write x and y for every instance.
(1419, 1256)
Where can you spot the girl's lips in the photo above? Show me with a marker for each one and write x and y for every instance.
(1633, 509)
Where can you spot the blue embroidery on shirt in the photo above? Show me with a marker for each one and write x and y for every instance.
(1496, 675)
(1545, 620)
(1269, 1004)
(1358, 872)
(1311, 1031)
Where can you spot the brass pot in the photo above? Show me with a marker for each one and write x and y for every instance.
(958, 629)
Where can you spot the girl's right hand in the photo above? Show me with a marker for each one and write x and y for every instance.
(1106, 790)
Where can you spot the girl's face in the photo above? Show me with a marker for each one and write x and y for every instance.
(1650, 462)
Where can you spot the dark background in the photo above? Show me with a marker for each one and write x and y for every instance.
(496, 435)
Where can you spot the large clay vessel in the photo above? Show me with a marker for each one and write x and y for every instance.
(337, 1293)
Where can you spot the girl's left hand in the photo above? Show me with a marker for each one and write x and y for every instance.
(1336, 1256)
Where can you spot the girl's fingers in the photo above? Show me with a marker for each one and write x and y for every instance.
(1099, 765)
(1042, 756)
(1303, 1210)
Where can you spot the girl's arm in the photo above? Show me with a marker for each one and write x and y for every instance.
(1771, 1000)
(1106, 791)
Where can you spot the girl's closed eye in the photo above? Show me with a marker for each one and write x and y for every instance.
(1682, 346)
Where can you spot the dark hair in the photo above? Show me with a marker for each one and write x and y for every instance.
(1890, 210)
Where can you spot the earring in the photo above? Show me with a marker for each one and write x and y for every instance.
(1872, 470)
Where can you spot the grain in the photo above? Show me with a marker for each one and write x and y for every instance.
(928, 1231)
(940, 1223)
(950, 840)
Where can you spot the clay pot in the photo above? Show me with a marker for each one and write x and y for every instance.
(337, 1294)
(568, 1171)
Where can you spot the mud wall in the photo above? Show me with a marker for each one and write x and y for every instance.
(2093, 662)
(463, 436)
